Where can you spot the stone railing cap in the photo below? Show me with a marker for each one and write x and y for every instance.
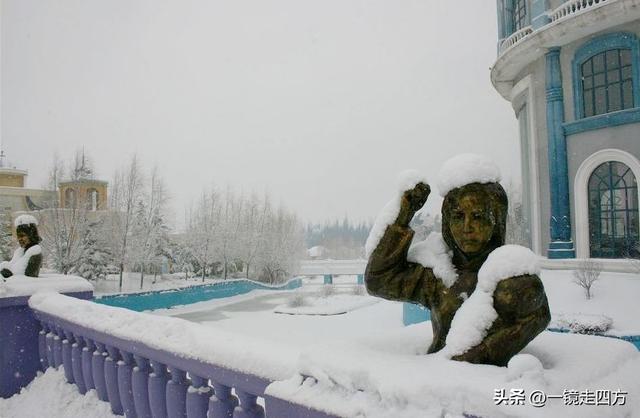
(26, 286)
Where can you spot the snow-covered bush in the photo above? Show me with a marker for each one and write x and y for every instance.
(296, 300)
(635, 262)
(359, 290)
(583, 323)
(586, 274)
(327, 290)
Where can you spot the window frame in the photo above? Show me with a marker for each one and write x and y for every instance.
(612, 41)
(580, 192)
(517, 15)
(614, 212)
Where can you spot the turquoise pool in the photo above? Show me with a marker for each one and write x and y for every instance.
(164, 299)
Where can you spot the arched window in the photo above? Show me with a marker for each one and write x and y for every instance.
(70, 198)
(606, 75)
(92, 199)
(613, 211)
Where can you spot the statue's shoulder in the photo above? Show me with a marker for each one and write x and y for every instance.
(34, 250)
(511, 272)
(507, 263)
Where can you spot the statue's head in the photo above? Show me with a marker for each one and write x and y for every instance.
(474, 210)
(474, 218)
(27, 234)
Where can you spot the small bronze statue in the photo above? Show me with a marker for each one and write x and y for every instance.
(27, 259)
(473, 225)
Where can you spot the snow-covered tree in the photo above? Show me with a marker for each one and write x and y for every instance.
(96, 258)
(126, 190)
(235, 233)
(149, 240)
(252, 231)
(202, 222)
(62, 229)
(7, 244)
(281, 247)
(516, 226)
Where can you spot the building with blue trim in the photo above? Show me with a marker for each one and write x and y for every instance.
(571, 70)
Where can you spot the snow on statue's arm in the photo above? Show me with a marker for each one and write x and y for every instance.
(521, 306)
(388, 274)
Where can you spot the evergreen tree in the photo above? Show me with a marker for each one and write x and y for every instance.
(95, 259)
(7, 245)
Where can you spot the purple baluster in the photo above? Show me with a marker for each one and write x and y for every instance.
(177, 394)
(157, 390)
(248, 407)
(49, 343)
(222, 403)
(97, 366)
(140, 386)
(57, 348)
(42, 347)
(198, 396)
(87, 373)
(124, 384)
(111, 380)
(66, 355)
(76, 364)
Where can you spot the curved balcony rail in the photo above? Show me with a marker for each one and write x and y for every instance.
(148, 366)
(514, 38)
(572, 7)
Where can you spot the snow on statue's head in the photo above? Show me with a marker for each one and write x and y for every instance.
(474, 210)
(28, 225)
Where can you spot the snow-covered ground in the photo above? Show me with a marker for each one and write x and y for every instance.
(49, 395)
(320, 303)
(253, 314)
(615, 295)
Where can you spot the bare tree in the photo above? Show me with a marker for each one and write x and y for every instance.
(125, 192)
(149, 232)
(230, 222)
(587, 273)
(201, 228)
(62, 229)
(252, 231)
(282, 246)
(516, 232)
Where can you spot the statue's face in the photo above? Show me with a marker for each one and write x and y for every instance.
(472, 223)
(23, 239)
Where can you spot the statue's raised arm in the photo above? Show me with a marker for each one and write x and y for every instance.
(388, 274)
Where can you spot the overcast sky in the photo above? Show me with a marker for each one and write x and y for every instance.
(320, 102)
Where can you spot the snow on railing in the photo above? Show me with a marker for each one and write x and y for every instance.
(151, 366)
(572, 7)
(515, 38)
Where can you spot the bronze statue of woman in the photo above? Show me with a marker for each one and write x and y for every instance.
(473, 225)
(27, 259)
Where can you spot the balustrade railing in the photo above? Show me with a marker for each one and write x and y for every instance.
(515, 38)
(572, 7)
(140, 379)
